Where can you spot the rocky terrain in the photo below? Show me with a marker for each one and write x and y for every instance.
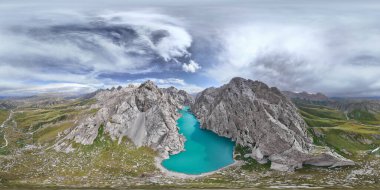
(145, 114)
(263, 119)
(94, 141)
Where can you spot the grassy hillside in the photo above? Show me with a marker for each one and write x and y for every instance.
(322, 112)
(349, 135)
(32, 119)
(94, 164)
(365, 117)
(3, 115)
(41, 125)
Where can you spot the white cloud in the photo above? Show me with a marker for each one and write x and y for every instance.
(69, 44)
(314, 46)
(56, 88)
(72, 49)
(174, 45)
(318, 58)
(192, 67)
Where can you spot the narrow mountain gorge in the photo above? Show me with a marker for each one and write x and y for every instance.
(248, 112)
(264, 120)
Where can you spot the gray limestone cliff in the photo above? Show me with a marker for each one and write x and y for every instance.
(262, 118)
(146, 115)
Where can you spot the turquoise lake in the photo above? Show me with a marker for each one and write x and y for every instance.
(204, 151)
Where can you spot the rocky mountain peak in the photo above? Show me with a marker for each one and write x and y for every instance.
(237, 80)
(186, 98)
(254, 85)
(146, 115)
(249, 112)
(261, 118)
(148, 85)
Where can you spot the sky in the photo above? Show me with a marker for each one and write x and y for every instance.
(76, 47)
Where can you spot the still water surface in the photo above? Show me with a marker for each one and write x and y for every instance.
(204, 151)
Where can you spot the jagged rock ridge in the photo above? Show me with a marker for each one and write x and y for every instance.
(254, 115)
(146, 115)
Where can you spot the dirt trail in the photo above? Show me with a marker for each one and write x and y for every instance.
(3, 125)
(9, 118)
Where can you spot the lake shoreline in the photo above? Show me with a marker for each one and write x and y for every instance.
(168, 173)
(204, 151)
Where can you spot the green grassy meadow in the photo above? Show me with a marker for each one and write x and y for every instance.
(350, 136)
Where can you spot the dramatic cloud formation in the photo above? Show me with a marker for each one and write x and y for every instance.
(336, 59)
(77, 47)
(191, 67)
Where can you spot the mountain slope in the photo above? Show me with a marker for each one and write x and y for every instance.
(364, 110)
(264, 120)
(146, 115)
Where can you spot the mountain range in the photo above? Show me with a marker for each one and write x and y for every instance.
(119, 136)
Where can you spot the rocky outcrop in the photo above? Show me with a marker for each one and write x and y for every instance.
(262, 118)
(181, 95)
(146, 115)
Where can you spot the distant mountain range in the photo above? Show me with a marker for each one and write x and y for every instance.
(306, 96)
(348, 105)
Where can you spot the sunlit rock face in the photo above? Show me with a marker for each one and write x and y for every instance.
(145, 114)
(262, 118)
